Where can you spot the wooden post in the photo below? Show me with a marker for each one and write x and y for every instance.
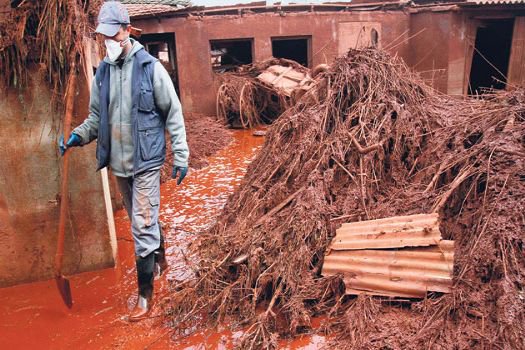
(88, 68)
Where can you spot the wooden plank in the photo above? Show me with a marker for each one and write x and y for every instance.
(516, 75)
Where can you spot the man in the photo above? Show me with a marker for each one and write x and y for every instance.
(132, 102)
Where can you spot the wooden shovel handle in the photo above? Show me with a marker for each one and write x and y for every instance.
(70, 95)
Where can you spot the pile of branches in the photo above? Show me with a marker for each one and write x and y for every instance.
(244, 101)
(371, 140)
(51, 33)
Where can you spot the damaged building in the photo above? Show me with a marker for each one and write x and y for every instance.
(458, 47)
(382, 208)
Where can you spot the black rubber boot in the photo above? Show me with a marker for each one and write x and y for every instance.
(160, 255)
(145, 268)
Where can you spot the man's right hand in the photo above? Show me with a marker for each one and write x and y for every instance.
(74, 140)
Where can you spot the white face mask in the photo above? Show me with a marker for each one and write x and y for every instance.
(114, 48)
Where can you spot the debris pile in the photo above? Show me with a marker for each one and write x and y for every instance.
(258, 93)
(371, 140)
(402, 256)
(50, 32)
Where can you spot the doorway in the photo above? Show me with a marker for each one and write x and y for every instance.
(162, 47)
(490, 60)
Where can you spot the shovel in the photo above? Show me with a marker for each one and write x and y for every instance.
(63, 283)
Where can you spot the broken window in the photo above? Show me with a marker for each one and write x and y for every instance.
(228, 54)
(490, 60)
(292, 48)
(162, 46)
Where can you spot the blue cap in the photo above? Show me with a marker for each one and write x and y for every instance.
(110, 18)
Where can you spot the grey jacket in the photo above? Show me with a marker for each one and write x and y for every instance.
(119, 110)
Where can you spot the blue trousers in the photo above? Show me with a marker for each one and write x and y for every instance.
(141, 195)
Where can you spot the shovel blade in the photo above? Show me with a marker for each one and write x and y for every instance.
(65, 290)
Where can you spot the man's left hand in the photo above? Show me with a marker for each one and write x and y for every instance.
(180, 172)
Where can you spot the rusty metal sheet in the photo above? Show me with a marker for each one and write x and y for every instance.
(283, 78)
(395, 232)
(406, 272)
(495, 2)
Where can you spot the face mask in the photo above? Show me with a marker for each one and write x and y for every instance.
(114, 48)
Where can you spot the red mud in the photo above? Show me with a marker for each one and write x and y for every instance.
(33, 316)
(206, 136)
(371, 140)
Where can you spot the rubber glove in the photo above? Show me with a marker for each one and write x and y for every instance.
(74, 140)
(180, 171)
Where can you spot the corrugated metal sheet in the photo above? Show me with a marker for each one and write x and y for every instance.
(397, 232)
(406, 272)
(413, 259)
(496, 2)
(283, 78)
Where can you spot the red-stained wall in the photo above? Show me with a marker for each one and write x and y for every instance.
(192, 35)
(30, 173)
(434, 41)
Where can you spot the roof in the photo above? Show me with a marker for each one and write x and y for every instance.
(179, 3)
(149, 10)
(153, 7)
(139, 8)
(495, 2)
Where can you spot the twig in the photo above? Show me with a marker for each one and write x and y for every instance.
(453, 186)
(277, 208)
(365, 150)
(345, 170)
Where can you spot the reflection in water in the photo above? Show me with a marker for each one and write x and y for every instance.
(101, 298)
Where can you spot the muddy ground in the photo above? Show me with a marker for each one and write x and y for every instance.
(205, 135)
(102, 298)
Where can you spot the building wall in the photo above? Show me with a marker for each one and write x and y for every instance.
(440, 50)
(197, 82)
(435, 41)
(429, 46)
(30, 185)
(442, 46)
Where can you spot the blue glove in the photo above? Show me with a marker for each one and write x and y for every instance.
(181, 171)
(74, 140)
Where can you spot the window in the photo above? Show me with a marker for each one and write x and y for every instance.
(292, 48)
(228, 54)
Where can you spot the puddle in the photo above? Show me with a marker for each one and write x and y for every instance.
(33, 316)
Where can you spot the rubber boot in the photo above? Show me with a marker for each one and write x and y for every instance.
(160, 255)
(145, 268)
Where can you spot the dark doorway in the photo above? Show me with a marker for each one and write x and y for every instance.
(490, 61)
(162, 46)
(226, 55)
(296, 49)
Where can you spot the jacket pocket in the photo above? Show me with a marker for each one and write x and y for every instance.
(146, 100)
(151, 143)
